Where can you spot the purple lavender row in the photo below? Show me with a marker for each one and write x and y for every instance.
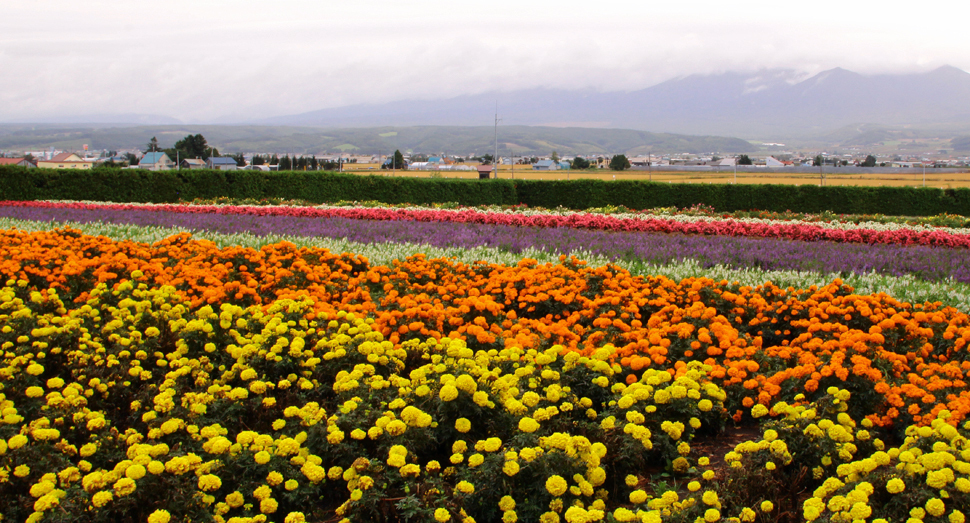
(928, 263)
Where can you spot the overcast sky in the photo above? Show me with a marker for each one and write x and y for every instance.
(203, 60)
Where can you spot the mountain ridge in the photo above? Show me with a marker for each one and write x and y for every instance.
(718, 104)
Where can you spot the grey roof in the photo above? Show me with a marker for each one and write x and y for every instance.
(222, 160)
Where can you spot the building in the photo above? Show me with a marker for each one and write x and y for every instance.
(549, 165)
(19, 162)
(65, 161)
(192, 163)
(156, 161)
(221, 163)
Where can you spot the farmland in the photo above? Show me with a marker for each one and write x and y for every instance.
(934, 178)
(229, 362)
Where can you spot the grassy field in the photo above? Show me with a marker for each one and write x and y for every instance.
(946, 180)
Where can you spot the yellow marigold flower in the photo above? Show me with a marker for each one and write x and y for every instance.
(935, 507)
(758, 411)
(159, 516)
(556, 485)
(465, 487)
(770, 465)
(463, 425)
(16, 441)
(511, 468)
(442, 515)
(447, 393)
(631, 480)
(709, 497)
(694, 486)
(638, 496)
(209, 482)
(291, 484)
(957, 517)
(510, 516)
(748, 515)
(528, 425)
(506, 503)
(262, 492)
(767, 506)
(274, 478)
(262, 457)
(124, 486)
(895, 486)
(101, 498)
(135, 472)
(295, 517)
(711, 515)
(268, 506)
(156, 467)
(35, 369)
(34, 392)
(475, 460)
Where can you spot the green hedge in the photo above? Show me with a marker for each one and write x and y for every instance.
(136, 185)
(133, 185)
(894, 201)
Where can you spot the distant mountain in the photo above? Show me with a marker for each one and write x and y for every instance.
(756, 105)
(109, 119)
(520, 140)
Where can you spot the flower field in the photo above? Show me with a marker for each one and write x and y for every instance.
(180, 380)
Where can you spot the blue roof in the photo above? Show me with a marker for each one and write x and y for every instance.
(152, 157)
(544, 163)
(222, 160)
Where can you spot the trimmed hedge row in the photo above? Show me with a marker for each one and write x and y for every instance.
(133, 185)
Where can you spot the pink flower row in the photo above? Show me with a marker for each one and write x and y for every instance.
(729, 227)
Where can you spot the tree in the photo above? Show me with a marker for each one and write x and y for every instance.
(285, 163)
(152, 145)
(240, 161)
(580, 163)
(870, 161)
(258, 160)
(396, 161)
(744, 160)
(486, 160)
(194, 146)
(818, 161)
(554, 157)
(619, 162)
(132, 159)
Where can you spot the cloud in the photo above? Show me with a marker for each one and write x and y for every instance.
(200, 61)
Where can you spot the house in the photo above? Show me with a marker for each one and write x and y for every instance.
(156, 161)
(20, 162)
(771, 161)
(192, 163)
(485, 172)
(221, 163)
(65, 161)
(549, 165)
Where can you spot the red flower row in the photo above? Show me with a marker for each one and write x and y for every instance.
(730, 227)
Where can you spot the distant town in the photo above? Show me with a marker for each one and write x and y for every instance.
(194, 153)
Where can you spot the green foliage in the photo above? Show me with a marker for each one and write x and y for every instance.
(619, 162)
(580, 163)
(132, 185)
(744, 160)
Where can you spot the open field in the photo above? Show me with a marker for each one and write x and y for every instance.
(946, 180)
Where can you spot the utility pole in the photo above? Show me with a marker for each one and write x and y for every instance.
(495, 158)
